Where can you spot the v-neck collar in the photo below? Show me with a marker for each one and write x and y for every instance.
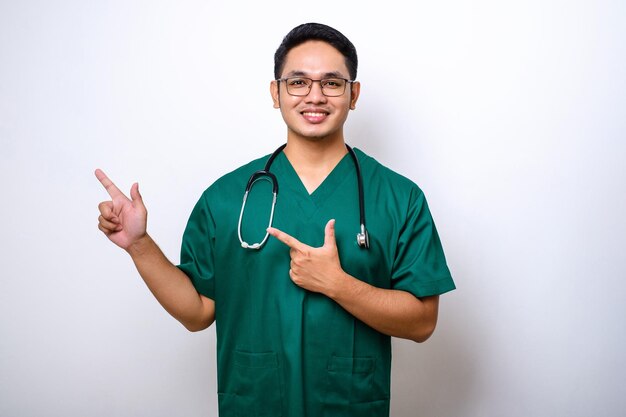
(288, 178)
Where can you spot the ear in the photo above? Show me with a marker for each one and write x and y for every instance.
(275, 94)
(354, 94)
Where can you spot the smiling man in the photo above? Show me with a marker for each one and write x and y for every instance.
(304, 316)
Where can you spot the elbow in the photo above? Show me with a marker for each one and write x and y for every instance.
(196, 326)
(422, 334)
(422, 331)
(426, 322)
(203, 319)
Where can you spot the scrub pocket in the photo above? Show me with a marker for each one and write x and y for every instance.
(257, 385)
(352, 387)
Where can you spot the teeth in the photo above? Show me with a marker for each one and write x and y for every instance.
(311, 114)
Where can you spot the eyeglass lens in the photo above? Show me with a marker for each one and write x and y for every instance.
(300, 86)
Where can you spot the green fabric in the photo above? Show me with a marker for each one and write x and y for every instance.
(281, 350)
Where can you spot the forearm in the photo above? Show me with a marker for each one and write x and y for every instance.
(392, 312)
(170, 286)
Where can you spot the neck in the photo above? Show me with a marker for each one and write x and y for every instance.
(313, 160)
(314, 152)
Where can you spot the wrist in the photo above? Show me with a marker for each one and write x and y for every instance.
(140, 246)
(342, 286)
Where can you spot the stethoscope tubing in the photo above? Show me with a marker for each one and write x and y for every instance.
(265, 174)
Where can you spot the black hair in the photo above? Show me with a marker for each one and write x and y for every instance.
(319, 32)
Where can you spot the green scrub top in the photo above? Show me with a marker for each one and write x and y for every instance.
(285, 351)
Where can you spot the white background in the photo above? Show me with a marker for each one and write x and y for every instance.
(509, 115)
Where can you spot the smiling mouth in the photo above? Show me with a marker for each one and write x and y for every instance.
(314, 114)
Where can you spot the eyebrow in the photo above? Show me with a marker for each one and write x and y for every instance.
(332, 74)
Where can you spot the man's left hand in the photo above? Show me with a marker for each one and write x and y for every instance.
(314, 269)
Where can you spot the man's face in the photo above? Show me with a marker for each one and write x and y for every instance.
(315, 116)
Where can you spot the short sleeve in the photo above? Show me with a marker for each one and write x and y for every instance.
(196, 255)
(420, 264)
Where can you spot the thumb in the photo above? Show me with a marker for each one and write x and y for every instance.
(329, 234)
(135, 195)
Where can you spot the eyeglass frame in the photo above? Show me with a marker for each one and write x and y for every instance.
(351, 82)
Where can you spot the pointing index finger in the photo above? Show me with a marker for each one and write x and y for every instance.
(288, 240)
(108, 184)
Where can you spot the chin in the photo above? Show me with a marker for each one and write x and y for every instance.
(316, 136)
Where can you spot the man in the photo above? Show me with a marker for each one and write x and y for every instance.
(304, 316)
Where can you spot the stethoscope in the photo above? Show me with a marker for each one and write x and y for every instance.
(362, 238)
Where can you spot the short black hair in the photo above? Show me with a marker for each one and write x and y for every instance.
(318, 32)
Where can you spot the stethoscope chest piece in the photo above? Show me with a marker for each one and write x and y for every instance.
(363, 238)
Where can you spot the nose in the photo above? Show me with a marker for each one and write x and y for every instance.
(315, 93)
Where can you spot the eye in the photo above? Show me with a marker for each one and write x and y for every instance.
(297, 82)
(333, 83)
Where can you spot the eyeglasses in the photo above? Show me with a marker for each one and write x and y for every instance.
(301, 86)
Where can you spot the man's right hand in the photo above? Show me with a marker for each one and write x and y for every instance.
(121, 219)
